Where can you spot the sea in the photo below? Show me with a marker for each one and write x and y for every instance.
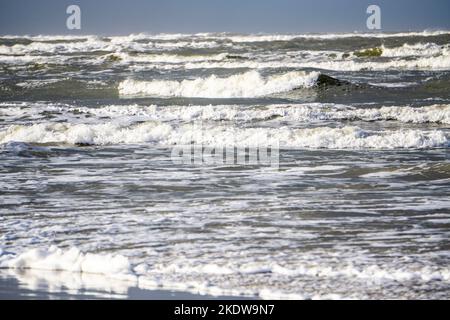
(115, 166)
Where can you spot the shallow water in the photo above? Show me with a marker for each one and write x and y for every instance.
(356, 207)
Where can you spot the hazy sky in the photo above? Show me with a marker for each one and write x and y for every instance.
(247, 16)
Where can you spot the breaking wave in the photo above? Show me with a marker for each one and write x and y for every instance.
(245, 85)
(311, 112)
(418, 49)
(165, 134)
(415, 61)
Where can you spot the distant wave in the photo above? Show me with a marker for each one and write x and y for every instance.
(159, 52)
(237, 37)
(331, 36)
(418, 49)
(418, 57)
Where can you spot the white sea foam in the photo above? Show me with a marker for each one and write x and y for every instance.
(393, 84)
(92, 45)
(88, 44)
(165, 58)
(47, 37)
(418, 49)
(69, 260)
(108, 133)
(92, 285)
(425, 62)
(296, 112)
(117, 45)
(372, 272)
(311, 112)
(174, 58)
(165, 134)
(73, 262)
(249, 84)
(29, 84)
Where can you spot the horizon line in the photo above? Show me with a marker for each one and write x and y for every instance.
(75, 34)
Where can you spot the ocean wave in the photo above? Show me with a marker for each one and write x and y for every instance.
(306, 113)
(217, 135)
(245, 85)
(418, 49)
(98, 45)
(145, 42)
(432, 62)
(70, 45)
(89, 44)
(124, 57)
(400, 59)
(295, 112)
(160, 55)
(330, 36)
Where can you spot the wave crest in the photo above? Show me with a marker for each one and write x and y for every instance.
(245, 85)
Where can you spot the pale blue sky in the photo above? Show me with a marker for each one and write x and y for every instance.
(246, 16)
